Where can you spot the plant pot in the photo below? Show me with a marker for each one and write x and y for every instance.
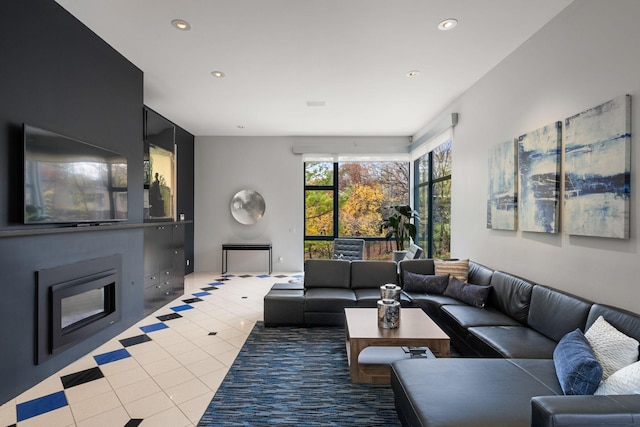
(399, 255)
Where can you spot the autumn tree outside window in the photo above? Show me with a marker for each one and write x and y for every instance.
(345, 199)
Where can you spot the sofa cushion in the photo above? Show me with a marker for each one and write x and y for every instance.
(327, 273)
(511, 342)
(511, 295)
(419, 266)
(458, 269)
(423, 283)
(479, 274)
(467, 392)
(370, 297)
(613, 349)
(373, 274)
(624, 381)
(328, 300)
(555, 313)
(475, 295)
(467, 316)
(625, 321)
(577, 367)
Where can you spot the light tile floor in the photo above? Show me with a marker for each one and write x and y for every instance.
(163, 371)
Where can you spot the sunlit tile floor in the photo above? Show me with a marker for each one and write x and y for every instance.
(163, 371)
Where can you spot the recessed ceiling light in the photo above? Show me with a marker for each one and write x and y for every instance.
(181, 24)
(413, 73)
(218, 74)
(447, 24)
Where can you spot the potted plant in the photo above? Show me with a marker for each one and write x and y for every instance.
(398, 224)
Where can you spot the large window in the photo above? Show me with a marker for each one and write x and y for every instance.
(345, 199)
(433, 195)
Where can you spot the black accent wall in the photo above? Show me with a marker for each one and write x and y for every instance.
(58, 75)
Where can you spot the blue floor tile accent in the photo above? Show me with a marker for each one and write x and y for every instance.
(181, 307)
(111, 356)
(41, 405)
(263, 276)
(216, 283)
(201, 294)
(153, 327)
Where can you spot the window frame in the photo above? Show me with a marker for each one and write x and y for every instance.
(430, 183)
(336, 199)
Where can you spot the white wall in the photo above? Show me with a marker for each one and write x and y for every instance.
(226, 165)
(587, 55)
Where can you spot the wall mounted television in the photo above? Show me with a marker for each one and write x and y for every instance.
(68, 181)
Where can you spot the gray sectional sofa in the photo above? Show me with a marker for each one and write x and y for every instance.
(508, 377)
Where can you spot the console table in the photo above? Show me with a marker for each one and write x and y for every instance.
(245, 247)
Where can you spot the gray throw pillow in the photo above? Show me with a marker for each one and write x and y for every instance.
(425, 283)
(475, 295)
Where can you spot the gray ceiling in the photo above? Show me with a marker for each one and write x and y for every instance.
(280, 55)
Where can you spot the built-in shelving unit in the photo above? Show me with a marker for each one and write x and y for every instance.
(164, 264)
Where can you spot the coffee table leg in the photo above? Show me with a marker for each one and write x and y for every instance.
(355, 347)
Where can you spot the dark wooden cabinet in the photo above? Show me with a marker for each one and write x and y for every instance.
(164, 264)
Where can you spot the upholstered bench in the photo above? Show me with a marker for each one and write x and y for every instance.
(284, 307)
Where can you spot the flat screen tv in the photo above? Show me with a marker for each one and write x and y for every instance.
(67, 181)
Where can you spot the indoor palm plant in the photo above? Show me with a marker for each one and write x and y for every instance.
(398, 224)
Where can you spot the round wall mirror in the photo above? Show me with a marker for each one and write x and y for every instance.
(247, 207)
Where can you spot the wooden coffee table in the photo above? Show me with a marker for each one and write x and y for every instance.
(362, 331)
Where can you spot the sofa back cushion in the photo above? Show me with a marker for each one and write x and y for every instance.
(373, 274)
(625, 321)
(418, 266)
(554, 313)
(511, 295)
(479, 274)
(327, 273)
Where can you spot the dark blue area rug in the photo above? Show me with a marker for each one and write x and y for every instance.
(297, 377)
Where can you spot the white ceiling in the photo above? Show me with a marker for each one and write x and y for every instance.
(278, 55)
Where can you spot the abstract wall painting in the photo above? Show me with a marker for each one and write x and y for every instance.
(502, 203)
(539, 179)
(597, 170)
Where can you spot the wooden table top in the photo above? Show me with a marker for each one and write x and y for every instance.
(362, 323)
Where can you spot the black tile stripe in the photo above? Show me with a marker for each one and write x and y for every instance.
(166, 317)
(81, 377)
(209, 288)
(191, 300)
(139, 339)
(135, 422)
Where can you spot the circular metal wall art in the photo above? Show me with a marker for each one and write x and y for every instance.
(247, 207)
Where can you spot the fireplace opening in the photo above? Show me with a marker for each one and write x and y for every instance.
(74, 302)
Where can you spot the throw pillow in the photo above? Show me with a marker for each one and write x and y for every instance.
(577, 367)
(624, 381)
(428, 284)
(613, 349)
(458, 269)
(475, 295)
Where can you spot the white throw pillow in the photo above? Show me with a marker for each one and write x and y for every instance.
(613, 349)
(624, 381)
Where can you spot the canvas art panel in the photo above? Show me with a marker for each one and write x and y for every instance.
(539, 179)
(597, 170)
(502, 202)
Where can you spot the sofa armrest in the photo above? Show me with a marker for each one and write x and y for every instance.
(575, 411)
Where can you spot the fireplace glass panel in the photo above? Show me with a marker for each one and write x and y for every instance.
(77, 308)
